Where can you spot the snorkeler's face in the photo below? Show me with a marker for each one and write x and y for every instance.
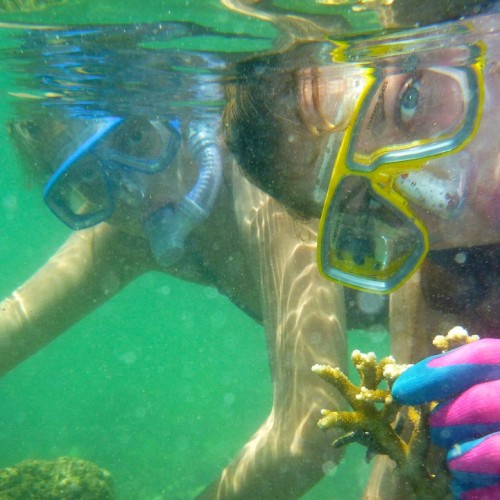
(136, 168)
(150, 169)
(138, 194)
(478, 221)
(455, 196)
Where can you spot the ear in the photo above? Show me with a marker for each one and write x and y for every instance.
(24, 130)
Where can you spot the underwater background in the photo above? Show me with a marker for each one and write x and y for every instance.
(164, 383)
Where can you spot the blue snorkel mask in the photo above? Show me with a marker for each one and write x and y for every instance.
(121, 94)
(81, 192)
(85, 188)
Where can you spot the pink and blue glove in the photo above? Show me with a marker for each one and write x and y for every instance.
(466, 381)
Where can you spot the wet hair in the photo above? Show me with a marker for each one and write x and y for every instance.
(425, 12)
(38, 141)
(262, 116)
(252, 130)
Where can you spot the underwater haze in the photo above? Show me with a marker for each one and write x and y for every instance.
(164, 383)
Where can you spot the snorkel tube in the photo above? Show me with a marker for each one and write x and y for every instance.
(169, 226)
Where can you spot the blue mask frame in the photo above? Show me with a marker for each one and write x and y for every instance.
(90, 181)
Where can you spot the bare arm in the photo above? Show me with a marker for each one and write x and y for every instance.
(86, 271)
(304, 321)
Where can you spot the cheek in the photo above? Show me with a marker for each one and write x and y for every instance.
(299, 154)
(171, 185)
(296, 175)
(165, 187)
(485, 153)
(485, 186)
(138, 195)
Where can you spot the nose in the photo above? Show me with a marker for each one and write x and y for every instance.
(131, 186)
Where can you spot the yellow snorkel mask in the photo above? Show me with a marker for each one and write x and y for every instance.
(369, 237)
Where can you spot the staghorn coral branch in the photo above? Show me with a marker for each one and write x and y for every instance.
(366, 418)
(456, 337)
(366, 366)
(372, 421)
(336, 377)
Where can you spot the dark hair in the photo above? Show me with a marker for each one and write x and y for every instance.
(263, 112)
(38, 141)
(252, 130)
(425, 12)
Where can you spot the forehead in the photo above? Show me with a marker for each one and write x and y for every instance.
(403, 51)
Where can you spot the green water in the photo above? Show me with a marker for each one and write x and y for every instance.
(146, 386)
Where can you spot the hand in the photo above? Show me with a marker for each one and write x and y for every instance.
(466, 381)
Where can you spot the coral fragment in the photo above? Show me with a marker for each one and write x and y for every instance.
(374, 420)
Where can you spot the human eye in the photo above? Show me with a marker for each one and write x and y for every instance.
(408, 103)
(134, 138)
(137, 138)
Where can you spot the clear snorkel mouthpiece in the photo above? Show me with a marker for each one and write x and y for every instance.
(168, 227)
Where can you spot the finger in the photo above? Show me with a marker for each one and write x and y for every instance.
(472, 414)
(440, 377)
(475, 467)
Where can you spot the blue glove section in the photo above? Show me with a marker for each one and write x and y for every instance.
(475, 467)
(422, 384)
(446, 437)
(466, 381)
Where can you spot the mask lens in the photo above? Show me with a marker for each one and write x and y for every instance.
(405, 117)
(366, 241)
(141, 144)
(80, 195)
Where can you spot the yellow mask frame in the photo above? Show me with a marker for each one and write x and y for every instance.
(369, 238)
